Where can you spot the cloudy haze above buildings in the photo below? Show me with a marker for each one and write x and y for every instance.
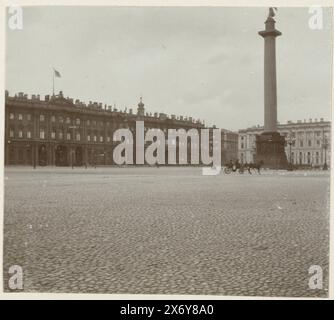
(206, 63)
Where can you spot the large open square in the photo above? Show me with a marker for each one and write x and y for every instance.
(166, 230)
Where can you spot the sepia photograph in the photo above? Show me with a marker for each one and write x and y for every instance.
(167, 150)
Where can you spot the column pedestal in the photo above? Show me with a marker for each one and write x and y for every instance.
(270, 150)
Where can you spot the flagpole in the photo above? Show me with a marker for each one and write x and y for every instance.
(53, 83)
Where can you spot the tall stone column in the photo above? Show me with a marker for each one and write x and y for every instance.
(270, 86)
(270, 145)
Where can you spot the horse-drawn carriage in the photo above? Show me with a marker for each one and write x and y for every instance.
(233, 167)
(240, 167)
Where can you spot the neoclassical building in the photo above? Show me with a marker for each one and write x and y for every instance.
(58, 131)
(307, 142)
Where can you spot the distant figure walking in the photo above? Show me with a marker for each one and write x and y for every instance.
(248, 166)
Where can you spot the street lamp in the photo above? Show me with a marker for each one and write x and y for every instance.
(28, 146)
(254, 152)
(72, 151)
(325, 146)
(290, 142)
(33, 150)
(8, 152)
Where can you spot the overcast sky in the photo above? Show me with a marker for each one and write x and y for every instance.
(201, 62)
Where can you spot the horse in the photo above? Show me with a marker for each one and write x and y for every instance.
(256, 165)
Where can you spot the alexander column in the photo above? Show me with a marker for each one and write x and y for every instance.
(270, 144)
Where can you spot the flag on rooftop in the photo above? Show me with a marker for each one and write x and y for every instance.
(57, 73)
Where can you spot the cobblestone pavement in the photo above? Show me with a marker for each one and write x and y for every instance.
(166, 231)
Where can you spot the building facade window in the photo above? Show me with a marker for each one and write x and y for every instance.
(53, 119)
(11, 133)
(78, 136)
(77, 121)
(101, 138)
(61, 119)
(41, 117)
(29, 134)
(68, 136)
(88, 138)
(68, 120)
(11, 116)
(53, 135)
(41, 134)
(20, 116)
(88, 122)
(20, 134)
(310, 143)
(309, 158)
(29, 117)
(61, 135)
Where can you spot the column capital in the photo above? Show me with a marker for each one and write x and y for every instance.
(270, 29)
(267, 33)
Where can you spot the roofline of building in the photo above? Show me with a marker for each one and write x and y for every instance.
(289, 124)
(93, 107)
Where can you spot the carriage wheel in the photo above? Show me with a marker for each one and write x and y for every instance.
(227, 170)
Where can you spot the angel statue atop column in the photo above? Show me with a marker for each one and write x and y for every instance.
(272, 12)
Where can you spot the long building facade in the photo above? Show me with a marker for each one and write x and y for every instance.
(58, 131)
(307, 142)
